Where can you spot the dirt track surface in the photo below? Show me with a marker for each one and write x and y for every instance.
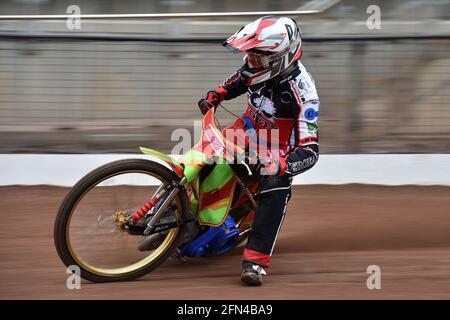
(330, 236)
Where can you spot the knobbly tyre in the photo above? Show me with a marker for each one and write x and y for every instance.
(125, 218)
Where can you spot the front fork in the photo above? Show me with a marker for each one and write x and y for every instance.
(173, 189)
(160, 211)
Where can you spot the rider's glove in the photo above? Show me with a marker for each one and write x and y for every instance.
(211, 100)
(270, 166)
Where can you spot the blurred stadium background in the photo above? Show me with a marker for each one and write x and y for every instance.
(381, 91)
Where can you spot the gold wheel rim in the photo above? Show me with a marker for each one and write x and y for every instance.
(121, 271)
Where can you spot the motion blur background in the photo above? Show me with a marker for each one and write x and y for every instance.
(382, 91)
(69, 95)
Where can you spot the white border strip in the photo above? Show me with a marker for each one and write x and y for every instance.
(382, 169)
(158, 15)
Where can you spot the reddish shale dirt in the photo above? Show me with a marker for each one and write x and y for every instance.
(330, 236)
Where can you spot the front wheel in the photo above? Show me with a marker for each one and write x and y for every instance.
(87, 232)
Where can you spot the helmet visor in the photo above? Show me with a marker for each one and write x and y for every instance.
(257, 60)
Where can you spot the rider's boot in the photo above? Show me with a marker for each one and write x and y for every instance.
(252, 274)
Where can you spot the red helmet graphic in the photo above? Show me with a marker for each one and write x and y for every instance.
(271, 45)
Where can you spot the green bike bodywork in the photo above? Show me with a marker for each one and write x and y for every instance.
(211, 198)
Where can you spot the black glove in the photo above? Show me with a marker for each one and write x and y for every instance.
(211, 100)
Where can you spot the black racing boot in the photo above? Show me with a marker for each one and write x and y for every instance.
(252, 274)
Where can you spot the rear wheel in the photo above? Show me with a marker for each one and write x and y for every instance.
(89, 230)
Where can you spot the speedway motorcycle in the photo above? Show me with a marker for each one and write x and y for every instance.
(125, 218)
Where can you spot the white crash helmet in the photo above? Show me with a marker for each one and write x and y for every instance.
(271, 44)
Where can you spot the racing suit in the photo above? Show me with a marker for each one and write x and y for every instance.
(288, 103)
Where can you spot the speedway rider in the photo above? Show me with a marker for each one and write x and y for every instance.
(281, 96)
